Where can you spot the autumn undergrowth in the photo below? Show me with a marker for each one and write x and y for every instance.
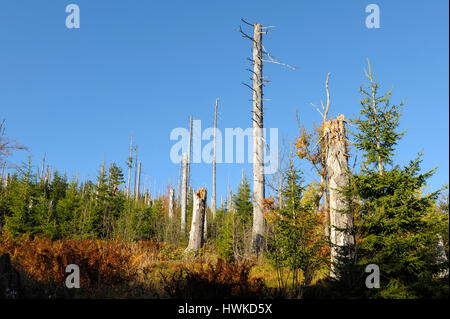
(141, 269)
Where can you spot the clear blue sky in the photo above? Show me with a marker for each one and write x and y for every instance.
(147, 65)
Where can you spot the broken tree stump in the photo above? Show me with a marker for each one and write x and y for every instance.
(198, 221)
(341, 221)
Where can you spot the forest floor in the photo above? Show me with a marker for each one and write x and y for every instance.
(143, 269)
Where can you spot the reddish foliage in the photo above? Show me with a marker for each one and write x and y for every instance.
(102, 263)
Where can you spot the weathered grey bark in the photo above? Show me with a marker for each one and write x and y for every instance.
(3, 174)
(179, 184)
(259, 224)
(135, 168)
(213, 197)
(130, 163)
(136, 193)
(171, 203)
(205, 228)
(230, 201)
(198, 221)
(184, 195)
(341, 219)
(189, 152)
(41, 177)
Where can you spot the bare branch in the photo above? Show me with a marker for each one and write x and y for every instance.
(317, 109)
(248, 23)
(272, 60)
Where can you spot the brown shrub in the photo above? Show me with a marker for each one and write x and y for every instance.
(220, 280)
(103, 264)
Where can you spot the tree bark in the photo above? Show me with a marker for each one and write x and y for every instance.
(179, 184)
(130, 161)
(184, 195)
(189, 152)
(138, 183)
(213, 197)
(198, 221)
(341, 219)
(259, 224)
(171, 203)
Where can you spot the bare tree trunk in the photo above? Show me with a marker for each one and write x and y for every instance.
(189, 152)
(3, 173)
(230, 200)
(138, 183)
(213, 197)
(171, 203)
(205, 228)
(135, 170)
(259, 224)
(324, 187)
(338, 177)
(184, 195)
(41, 177)
(179, 184)
(130, 161)
(198, 220)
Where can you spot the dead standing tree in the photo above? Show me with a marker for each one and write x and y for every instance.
(184, 195)
(213, 197)
(130, 165)
(338, 177)
(317, 155)
(171, 203)
(189, 152)
(7, 145)
(137, 191)
(198, 221)
(259, 53)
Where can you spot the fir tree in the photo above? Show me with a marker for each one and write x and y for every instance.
(376, 127)
(392, 221)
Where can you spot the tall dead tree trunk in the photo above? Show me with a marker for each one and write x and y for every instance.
(179, 184)
(198, 220)
(338, 177)
(324, 171)
(205, 228)
(135, 169)
(136, 192)
(3, 173)
(41, 177)
(230, 200)
(130, 165)
(189, 152)
(184, 195)
(171, 203)
(213, 197)
(259, 224)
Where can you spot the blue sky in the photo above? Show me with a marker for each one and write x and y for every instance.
(146, 66)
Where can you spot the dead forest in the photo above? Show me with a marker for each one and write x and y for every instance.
(275, 236)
